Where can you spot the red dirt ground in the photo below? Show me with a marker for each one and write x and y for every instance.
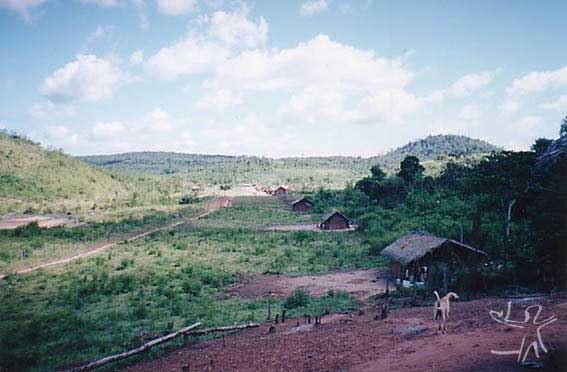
(360, 343)
(360, 283)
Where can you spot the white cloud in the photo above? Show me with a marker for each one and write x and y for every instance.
(109, 129)
(319, 62)
(189, 56)
(48, 110)
(104, 3)
(177, 7)
(58, 131)
(470, 112)
(309, 8)
(25, 8)
(322, 75)
(3, 125)
(539, 81)
(509, 107)
(219, 100)
(560, 104)
(464, 86)
(234, 29)
(136, 57)
(390, 105)
(527, 126)
(88, 78)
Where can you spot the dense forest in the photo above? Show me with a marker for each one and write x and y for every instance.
(508, 204)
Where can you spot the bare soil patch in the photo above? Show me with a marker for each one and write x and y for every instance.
(360, 343)
(304, 227)
(360, 283)
(9, 221)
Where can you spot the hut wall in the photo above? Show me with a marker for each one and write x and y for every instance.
(302, 207)
(280, 192)
(335, 222)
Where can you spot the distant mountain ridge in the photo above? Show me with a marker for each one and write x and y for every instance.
(427, 149)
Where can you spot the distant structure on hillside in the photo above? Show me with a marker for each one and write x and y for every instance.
(303, 205)
(335, 221)
(280, 191)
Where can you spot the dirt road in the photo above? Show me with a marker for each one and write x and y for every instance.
(405, 341)
(212, 206)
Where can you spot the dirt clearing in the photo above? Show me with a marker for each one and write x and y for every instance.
(360, 283)
(359, 343)
(9, 221)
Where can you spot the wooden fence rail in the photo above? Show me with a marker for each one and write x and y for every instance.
(148, 345)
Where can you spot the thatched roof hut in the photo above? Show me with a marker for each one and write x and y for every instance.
(554, 153)
(413, 255)
(424, 246)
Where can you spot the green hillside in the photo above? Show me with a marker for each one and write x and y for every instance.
(303, 173)
(34, 178)
(439, 148)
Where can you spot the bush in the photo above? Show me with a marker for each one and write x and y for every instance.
(192, 287)
(298, 298)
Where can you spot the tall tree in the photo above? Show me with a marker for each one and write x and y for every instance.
(563, 130)
(411, 170)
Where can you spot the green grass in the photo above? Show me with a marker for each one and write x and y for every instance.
(101, 305)
(254, 212)
(43, 245)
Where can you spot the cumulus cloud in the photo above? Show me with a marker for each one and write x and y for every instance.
(108, 129)
(203, 51)
(309, 8)
(509, 107)
(464, 86)
(219, 100)
(176, 7)
(235, 29)
(25, 8)
(49, 110)
(189, 56)
(87, 78)
(560, 104)
(539, 81)
(322, 75)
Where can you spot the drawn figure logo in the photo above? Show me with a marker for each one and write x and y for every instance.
(530, 320)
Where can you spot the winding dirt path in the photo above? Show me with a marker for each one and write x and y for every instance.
(212, 206)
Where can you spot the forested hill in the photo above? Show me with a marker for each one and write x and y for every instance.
(434, 148)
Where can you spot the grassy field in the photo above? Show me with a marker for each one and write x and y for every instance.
(133, 292)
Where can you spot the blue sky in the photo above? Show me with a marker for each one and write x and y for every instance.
(280, 78)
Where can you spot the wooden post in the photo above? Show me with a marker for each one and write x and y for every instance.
(445, 277)
(283, 315)
(185, 368)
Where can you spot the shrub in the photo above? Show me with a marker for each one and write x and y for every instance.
(298, 298)
(192, 287)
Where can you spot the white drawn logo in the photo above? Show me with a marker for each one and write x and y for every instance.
(535, 341)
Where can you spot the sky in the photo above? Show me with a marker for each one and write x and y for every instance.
(280, 78)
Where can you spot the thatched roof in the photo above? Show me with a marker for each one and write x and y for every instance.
(329, 215)
(415, 246)
(303, 199)
(553, 154)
